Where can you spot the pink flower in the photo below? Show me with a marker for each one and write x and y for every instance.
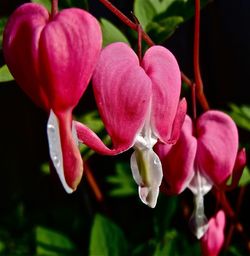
(52, 60)
(139, 104)
(204, 155)
(212, 241)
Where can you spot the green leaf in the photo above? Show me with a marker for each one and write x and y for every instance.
(161, 5)
(234, 251)
(245, 177)
(92, 120)
(160, 18)
(176, 244)
(241, 115)
(45, 169)
(106, 238)
(111, 33)
(53, 243)
(144, 12)
(45, 3)
(123, 182)
(5, 75)
(2, 246)
(167, 246)
(3, 22)
(164, 213)
(160, 31)
(181, 8)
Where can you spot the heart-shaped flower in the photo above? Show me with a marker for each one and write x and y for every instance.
(52, 58)
(205, 155)
(139, 104)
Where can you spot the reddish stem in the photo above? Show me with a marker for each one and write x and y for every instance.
(93, 184)
(54, 8)
(235, 224)
(197, 73)
(186, 80)
(139, 42)
(194, 101)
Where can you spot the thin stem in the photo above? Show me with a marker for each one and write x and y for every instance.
(93, 184)
(203, 101)
(139, 39)
(139, 42)
(194, 101)
(235, 224)
(54, 8)
(197, 73)
(186, 80)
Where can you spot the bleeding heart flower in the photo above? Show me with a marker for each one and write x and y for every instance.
(204, 155)
(52, 58)
(212, 241)
(138, 103)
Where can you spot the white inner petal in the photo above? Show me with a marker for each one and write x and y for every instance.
(55, 148)
(198, 222)
(200, 184)
(146, 167)
(199, 187)
(149, 195)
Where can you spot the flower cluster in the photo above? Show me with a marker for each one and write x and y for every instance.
(53, 58)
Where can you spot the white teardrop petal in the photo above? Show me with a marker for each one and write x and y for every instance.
(55, 148)
(198, 222)
(149, 195)
(147, 173)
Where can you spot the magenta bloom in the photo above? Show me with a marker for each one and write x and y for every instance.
(204, 155)
(212, 241)
(52, 60)
(139, 104)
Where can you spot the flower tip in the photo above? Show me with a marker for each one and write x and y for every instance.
(149, 196)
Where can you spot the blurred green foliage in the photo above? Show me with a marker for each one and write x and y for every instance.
(5, 75)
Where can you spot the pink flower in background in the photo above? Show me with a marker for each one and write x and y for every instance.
(204, 155)
(212, 241)
(139, 104)
(52, 59)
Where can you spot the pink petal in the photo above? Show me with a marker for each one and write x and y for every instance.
(212, 241)
(217, 145)
(69, 49)
(178, 160)
(239, 166)
(163, 70)
(90, 139)
(123, 93)
(178, 121)
(20, 47)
